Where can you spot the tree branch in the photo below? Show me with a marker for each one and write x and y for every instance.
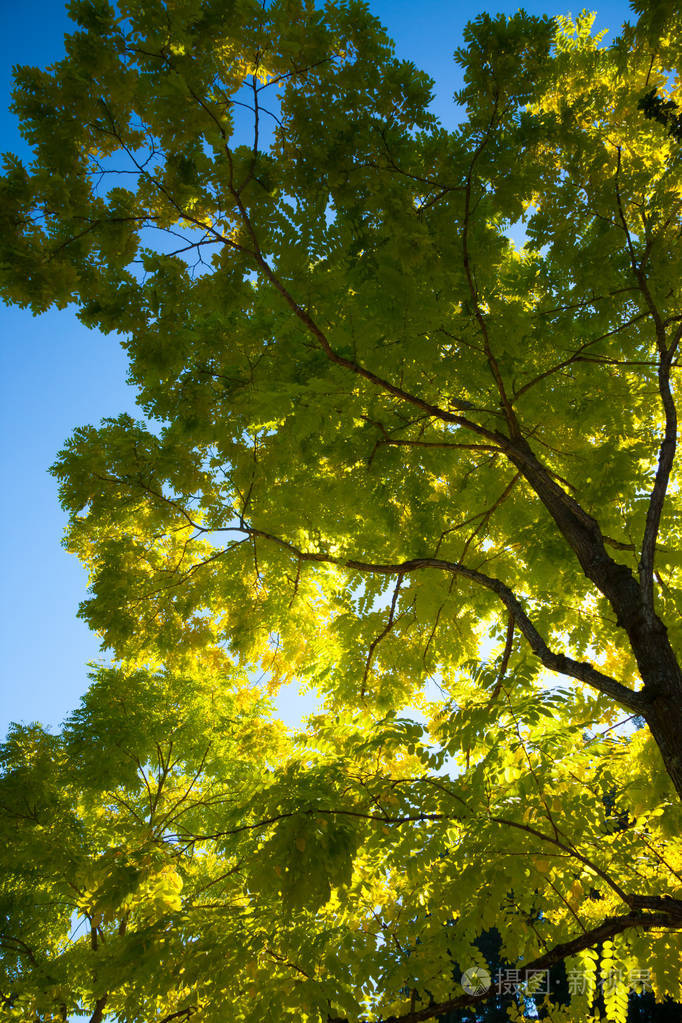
(313, 328)
(666, 457)
(558, 662)
(607, 929)
(98, 1014)
(384, 632)
(668, 445)
(509, 414)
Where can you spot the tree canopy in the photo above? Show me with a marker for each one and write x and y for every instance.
(388, 452)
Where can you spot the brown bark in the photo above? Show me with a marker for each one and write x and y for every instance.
(667, 914)
(98, 1014)
(658, 665)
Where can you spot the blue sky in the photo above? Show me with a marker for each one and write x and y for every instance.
(57, 375)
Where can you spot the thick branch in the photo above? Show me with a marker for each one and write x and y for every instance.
(607, 929)
(666, 457)
(98, 1014)
(666, 454)
(561, 663)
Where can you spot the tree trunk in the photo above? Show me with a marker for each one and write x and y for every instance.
(661, 695)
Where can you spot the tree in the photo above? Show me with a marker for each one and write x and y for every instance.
(389, 453)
